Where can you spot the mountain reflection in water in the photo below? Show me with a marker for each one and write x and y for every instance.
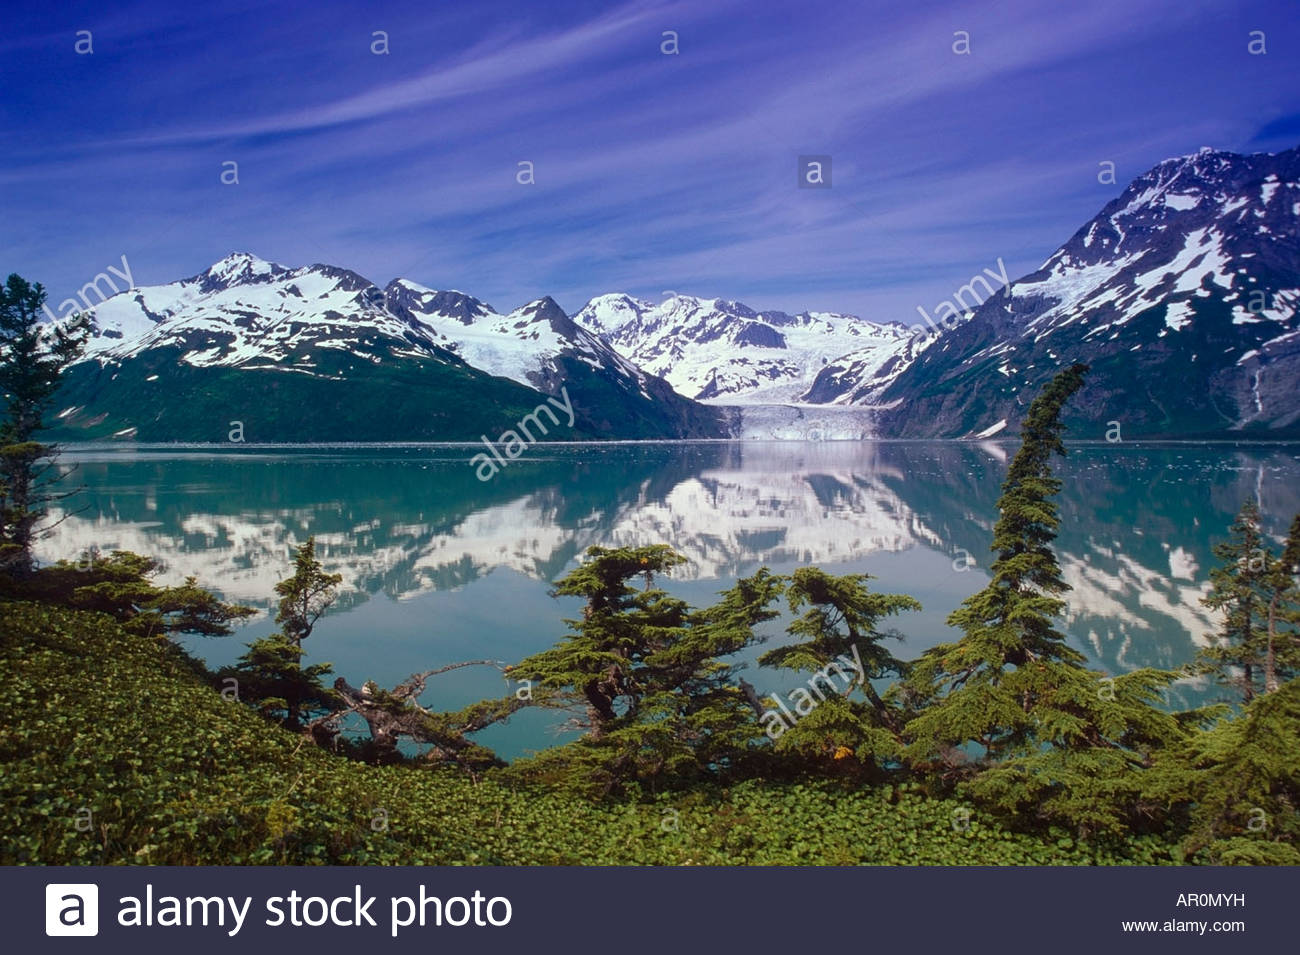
(438, 566)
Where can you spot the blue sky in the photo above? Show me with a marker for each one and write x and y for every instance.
(653, 172)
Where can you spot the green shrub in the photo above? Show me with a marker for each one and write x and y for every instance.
(172, 773)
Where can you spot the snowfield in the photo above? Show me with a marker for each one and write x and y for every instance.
(725, 352)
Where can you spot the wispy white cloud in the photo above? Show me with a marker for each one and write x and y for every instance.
(652, 170)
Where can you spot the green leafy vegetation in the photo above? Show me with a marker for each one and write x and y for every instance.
(116, 751)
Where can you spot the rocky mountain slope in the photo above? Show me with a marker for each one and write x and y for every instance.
(727, 353)
(1182, 294)
(321, 353)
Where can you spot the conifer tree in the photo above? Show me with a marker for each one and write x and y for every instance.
(988, 686)
(1282, 645)
(271, 674)
(1238, 591)
(306, 595)
(120, 585)
(646, 672)
(1060, 743)
(273, 678)
(1238, 783)
(696, 690)
(33, 357)
(620, 624)
(840, 625)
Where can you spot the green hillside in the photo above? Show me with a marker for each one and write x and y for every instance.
(345, 398)
(412, 400)
(172, 773)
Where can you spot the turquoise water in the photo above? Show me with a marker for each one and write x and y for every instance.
(440, 567)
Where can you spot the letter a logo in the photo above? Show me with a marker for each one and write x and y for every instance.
(71, 908)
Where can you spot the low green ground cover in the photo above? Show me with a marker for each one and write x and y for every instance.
(114, 750)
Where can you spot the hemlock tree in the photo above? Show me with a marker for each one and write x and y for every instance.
(646, 672)
(306, 595)
(119, 585)
(1282, 645)
(271, 675)
(1256, 593)
(619, 625)
(1239, 784)
(713, 714)
(986, 687)
(840, 633)
(1060, 742)
(1096, 739)
(33, 357)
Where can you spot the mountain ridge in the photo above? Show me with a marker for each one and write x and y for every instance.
(1190, 275)
(1181, 293)
(338, 358)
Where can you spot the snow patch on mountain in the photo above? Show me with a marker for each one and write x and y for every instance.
(1196, 265)
(522, 345)
(244, 309)
(725, 352)
(1173, 226)
(513, 346)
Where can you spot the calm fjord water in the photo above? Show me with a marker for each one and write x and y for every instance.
(438, 566)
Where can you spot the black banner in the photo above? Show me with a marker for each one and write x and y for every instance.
(648, 910)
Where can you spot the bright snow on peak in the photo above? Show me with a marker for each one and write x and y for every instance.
(723, 351)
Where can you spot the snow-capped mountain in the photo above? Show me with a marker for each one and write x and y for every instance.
(540, 346)
(1181, 294)
(860, 376)
(524, 345)
(244, 312)
(325, 354)
(724, 352)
